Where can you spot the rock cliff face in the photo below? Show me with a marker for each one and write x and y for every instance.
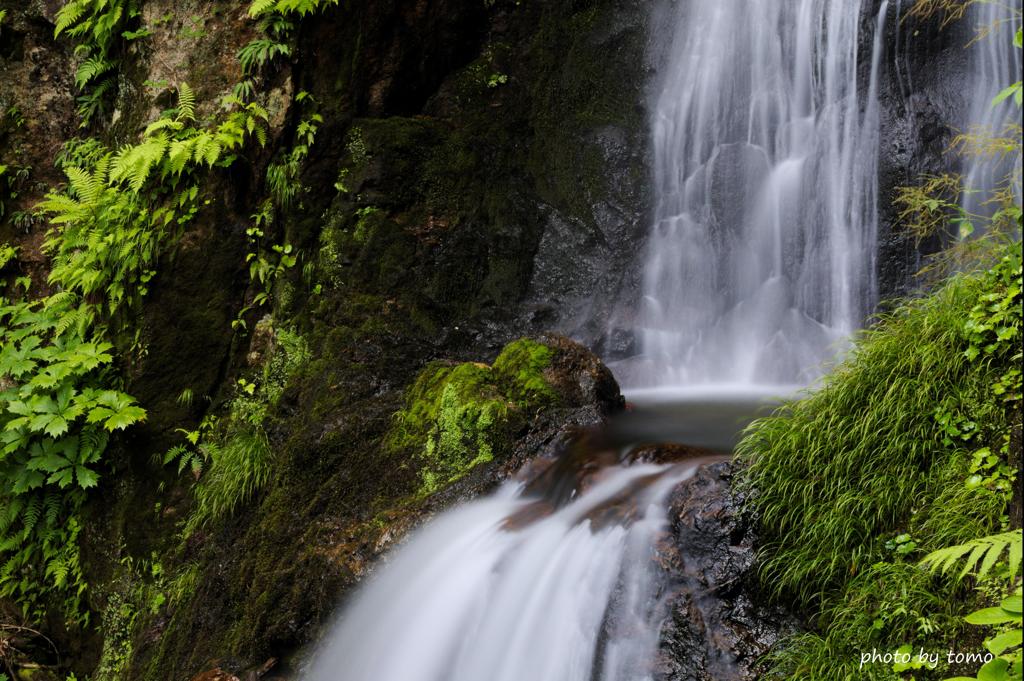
(923, 102)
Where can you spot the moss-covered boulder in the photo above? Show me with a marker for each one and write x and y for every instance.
(457, 416)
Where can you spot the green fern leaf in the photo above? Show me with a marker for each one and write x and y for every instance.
(988, 550)
(69, 15)
(186, 103)
(259, 7)
(91, 69)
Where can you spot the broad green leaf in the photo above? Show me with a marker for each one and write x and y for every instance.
(994, 670)
(56, 427)
(27, 480)
(1010, 90)
(990, 616)
(1012, 604)
(19, 407)
(124, 418)
(62, 478)
(1001, 642)
(48, 463)
(86, 477)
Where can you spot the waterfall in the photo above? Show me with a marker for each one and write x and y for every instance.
(759, 264)
(761, 257)
(488, 591)
(995, 63)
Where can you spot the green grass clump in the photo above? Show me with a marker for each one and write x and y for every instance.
(233, 454)
(240, 467)
(857, 480)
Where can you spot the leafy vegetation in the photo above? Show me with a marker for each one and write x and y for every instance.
(60, 396)
(1005, 645)
(260, 8)
(97, 26)
(233, 455)
(908, 446)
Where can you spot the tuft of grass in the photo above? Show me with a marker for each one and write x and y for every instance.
(853, 482)
(240, 467)
(849, 463)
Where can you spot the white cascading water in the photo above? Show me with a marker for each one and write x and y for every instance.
(573, 596)
(995, 64)
(761, 258)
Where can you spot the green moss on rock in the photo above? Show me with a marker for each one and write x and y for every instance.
(460, 415)
(520, 373)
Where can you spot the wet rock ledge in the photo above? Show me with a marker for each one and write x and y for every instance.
(719, 623)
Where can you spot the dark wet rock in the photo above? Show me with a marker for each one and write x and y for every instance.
(922, 106)
(668, 453)
(589, 163)
(216, 674)
(719, 623)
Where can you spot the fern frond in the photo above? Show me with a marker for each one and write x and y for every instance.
(63, 208)
(162, 124)
(987, 550)
(186, 102)
(133, 164)
(84, 185)
(60, 299)
(205, 149)
(10, 513)
(72, 319)
(30, 516)
(91, 69)
(259, 7)
(69, 15)
(178, 155)
(51, 508)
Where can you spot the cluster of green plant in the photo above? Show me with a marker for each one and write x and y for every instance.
(283, 179)
(60, 394)
(124, 209)
(269, 261)
(139, 590)
(927, 459)
(855, 480)
(261, 8)
(98, 26)
(983, 558)
(276, 25)
(232, 455)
